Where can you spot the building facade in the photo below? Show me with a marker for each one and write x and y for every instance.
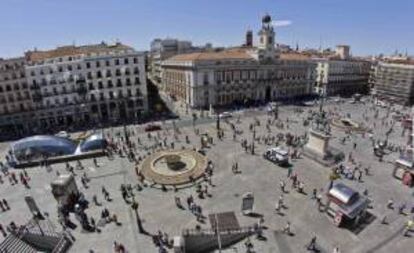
(335, 76)
(80, 85)
(238, 75)
(14, 95)
(394, 81)
(162, 49)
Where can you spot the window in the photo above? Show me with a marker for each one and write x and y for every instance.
(108, 73)
(99, 74)
(32, 73)
(110, 84)
(88, 65)
(137, 82)
(127, 72)
(16, 86)
(8, 88)
(98, 64)
(107, 63)
(1, 89)
(128, 82)
(89, 75)
(63, 89)
(135, 60)
(118, 83)
(126, 61)
(136, 71)
(100, 85)
(69, 68)
(91, 86)
(118, 72)
(205, 79)
(60, 69)
(79, 67)
(117, 62)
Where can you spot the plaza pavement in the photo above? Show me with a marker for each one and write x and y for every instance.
(159, 212)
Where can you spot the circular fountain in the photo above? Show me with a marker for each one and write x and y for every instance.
(174, 167)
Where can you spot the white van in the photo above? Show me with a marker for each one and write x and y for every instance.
(277, 155)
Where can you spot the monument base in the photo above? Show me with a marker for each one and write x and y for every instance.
(318, 149)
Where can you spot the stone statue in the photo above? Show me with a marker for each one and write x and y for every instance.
(320, 123)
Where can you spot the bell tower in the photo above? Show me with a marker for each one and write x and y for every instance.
(267, 34)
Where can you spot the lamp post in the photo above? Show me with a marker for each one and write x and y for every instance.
(253, 138)
(135, 206)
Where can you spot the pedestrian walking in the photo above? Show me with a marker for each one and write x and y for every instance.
(6, 204)
(390, 204)
(286, 229)
(314, 193)
(282, 186)
(312, 244)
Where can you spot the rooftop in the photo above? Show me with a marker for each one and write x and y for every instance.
(236, 54)
(401, 62)
(72, 50)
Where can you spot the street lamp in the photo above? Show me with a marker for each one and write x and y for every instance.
(253, 138)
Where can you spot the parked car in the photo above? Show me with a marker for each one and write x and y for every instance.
(152, 127)
(225, 115)
(63, 134)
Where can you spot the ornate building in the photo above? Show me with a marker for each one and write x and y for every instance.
(15, 100)
(239, 75)
(394, 81)
(72, 86)
(345, 77)
(87, 84)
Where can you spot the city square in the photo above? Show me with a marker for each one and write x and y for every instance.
(158, 210)
(206, 126)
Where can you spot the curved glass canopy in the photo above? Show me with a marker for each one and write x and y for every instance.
(93, 142)
(39, 146)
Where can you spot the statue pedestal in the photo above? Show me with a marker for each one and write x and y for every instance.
(318, 148)
(318, 143)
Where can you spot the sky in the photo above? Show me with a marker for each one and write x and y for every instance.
(370, 27)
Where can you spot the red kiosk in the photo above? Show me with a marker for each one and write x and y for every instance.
(345, 205)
